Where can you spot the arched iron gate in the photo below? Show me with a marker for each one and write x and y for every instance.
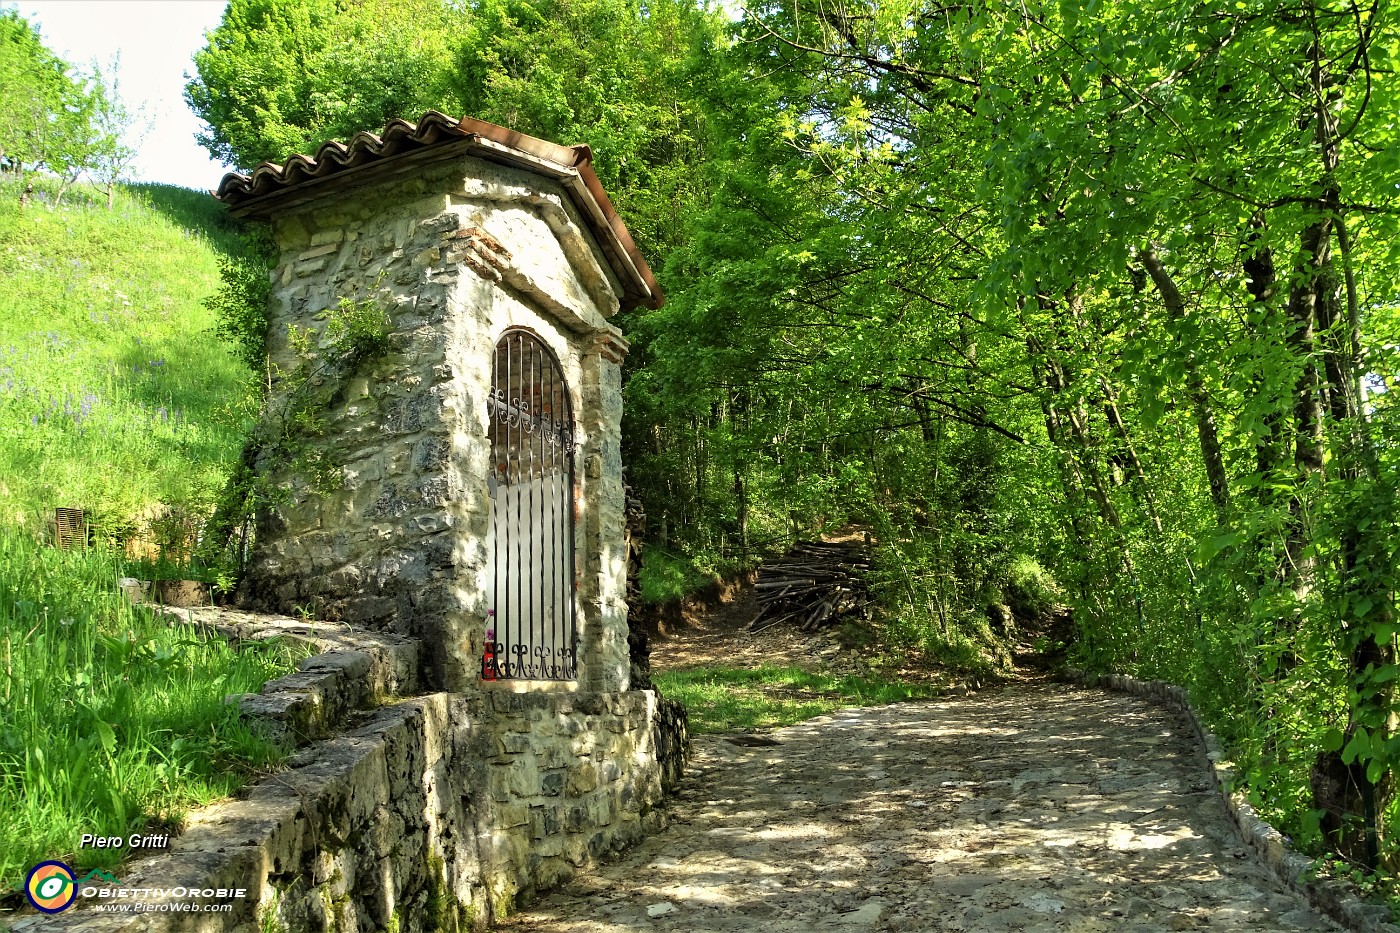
(531, 632)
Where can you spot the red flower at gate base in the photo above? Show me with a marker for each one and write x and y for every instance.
(488, 657)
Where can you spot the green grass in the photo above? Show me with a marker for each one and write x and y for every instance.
(114, 393)
(720, 699)
(110, 719)
(667, 578)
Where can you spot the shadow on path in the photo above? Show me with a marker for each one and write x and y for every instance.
(1043, 808)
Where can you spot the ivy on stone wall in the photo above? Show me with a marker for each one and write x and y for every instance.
(280, 459)
(240, 304)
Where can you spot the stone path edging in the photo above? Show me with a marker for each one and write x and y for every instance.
(1337, 899)
(296, 825)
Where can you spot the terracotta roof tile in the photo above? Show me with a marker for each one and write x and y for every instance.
(270, 186)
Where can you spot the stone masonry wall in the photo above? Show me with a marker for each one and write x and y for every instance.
(379, 552)
(458, 252)
(438, 813)
(574, 776)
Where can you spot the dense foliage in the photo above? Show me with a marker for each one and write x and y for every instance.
(1112, 291)
(1063, 305)
(280, 78)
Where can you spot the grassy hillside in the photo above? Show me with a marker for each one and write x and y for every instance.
(114, 393)
(115, 396)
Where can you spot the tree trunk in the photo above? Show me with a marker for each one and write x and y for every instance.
(66, 181)
(1261, 279)
(1207, 433)
(1307, 403)
(741, 498)
(1081, 453)
(1364, 553)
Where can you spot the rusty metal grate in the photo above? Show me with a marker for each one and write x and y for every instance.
(69, 528)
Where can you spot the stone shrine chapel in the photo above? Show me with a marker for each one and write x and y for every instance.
(480, 470)
(475, 513)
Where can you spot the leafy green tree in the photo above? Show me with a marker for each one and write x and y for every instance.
(44, 111)
(280, 78)
(240, 305)
(54, 119)
(111, 125)
(1122, 225)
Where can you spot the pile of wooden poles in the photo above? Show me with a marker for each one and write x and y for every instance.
(814, 584)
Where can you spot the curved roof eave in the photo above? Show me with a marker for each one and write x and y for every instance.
(270, 187)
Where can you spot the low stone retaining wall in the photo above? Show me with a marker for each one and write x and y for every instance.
(573, 776)
(671, 736)
(438, 813)
(1334, 898)
(351, 670)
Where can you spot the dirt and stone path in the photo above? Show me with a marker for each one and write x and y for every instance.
(1038, 808)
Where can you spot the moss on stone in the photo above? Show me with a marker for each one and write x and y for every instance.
(441, 917)
(504, 905)
(334, 904)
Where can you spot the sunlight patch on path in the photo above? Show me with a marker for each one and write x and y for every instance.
(1039, 809)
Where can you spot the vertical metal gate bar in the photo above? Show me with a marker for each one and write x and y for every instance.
(493, 626)
(567, 564)
(501, 456)
(560, 500)
(557, 441)
(556, 526)
(522, 512)
(509, 508)
(561, 407)
(549, 577)
(533, 409)
(493, 492)
(536, 624)
(571, 588)
(536, 513)
(527, 663)
(541, 407)
(507, 505)
(503, 614)
(517, 384)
